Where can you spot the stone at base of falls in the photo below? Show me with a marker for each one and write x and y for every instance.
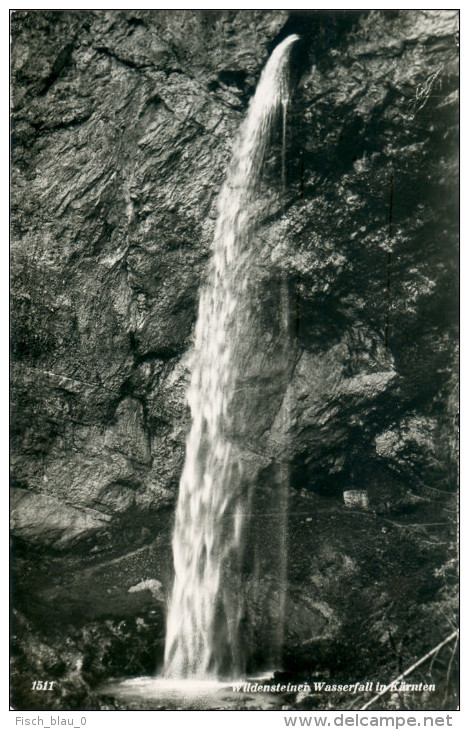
(152, 585)
(356, 498)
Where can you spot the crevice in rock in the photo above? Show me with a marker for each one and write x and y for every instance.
(46, 126)
(123, 61)
(60, 64)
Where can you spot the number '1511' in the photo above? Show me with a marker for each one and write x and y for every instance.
(39, 684)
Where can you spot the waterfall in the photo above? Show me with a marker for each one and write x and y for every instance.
(206, 607)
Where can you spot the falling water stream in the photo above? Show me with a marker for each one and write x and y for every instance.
(206, 608)
(234, 373)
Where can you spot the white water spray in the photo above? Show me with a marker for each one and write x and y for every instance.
(202, 639)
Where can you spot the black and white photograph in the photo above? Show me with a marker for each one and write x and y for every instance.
(234, 360)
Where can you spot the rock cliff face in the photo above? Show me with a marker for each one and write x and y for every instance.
(122, 128)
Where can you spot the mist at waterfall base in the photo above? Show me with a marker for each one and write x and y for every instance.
(209, 630)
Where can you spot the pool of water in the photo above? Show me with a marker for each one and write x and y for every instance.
(155, 693)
